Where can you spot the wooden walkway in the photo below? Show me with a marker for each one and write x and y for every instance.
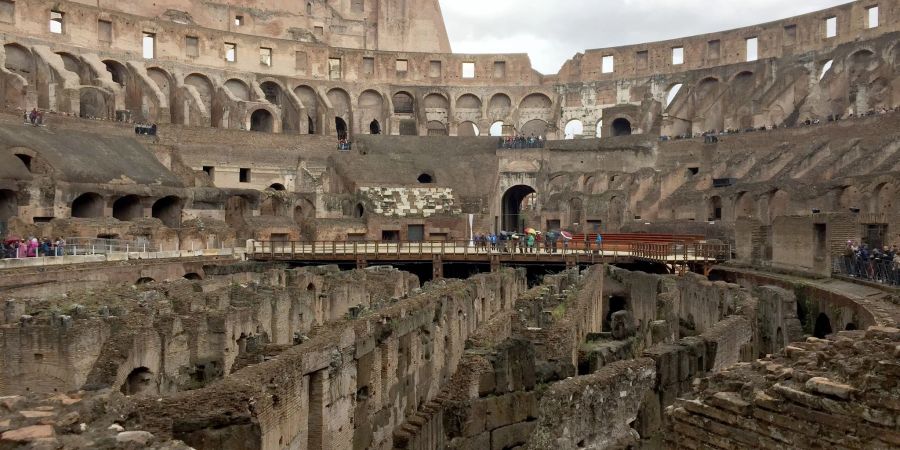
(362, 254)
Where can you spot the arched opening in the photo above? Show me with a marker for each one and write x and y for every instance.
(822, 327)
(374, 127)
(340, 103)
(715, 208)
(192, 276)
(310, 287)
(536, 128)
(743, 206)
(26, 160)
(139, 381)
(117, 71)
(261, 120)
(299, 214)
(144, 280)
(436, 128)
(88, 205)
(238, 89)
(436, 102)
(92, 103)
(168, 210)
(497, 129)
(359, 211)
(470, 102)
(205, 91)
(310, 101)
(403, 103)
(616, 303)
(425, 178)
(512, 206)
(9, 206)
(850, 327)
(779, 202)
(277, 187)
(272, 92)
(340, 126)
(499, 107)
(574, 128)
(468, 129)
(621, 127)
(536, 101)
(672, 93)
(128, 208)
(236, 208)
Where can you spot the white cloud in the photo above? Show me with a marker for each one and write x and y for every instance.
(553, 31)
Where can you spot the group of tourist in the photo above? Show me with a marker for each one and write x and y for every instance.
(32, 247)
(711, 136)
(532, 241)
(145, 129)
(861, 261)
(344, 144)
(35, 117)
(521, 141)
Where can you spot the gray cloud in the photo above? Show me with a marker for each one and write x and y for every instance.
(551, 31)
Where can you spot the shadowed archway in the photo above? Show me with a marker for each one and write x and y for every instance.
(511, 206)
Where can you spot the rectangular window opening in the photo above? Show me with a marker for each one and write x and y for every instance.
(334, 68)
(713, 49)
(192, 46)
(468, 70)
(244, 176)
(319, 31)
(265, 56)
(790, 35)
(499, 69)
(104, 31)
(752, 49)
(368, 65)
(872, 16)
(301, 61)
(56, 22)
(210, 172)
(402, 66)
(238, 20)
(358, 6)
(149, 42)
(434, 69)
(642, 59)
(7, 11)
(230, 52)
(831, 27)
(678, 55)
(608, 64)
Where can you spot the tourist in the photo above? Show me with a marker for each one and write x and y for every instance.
(44, 247)
(599, 242)
(33, 116)
(60, 247)
(530, 242)
(21, 249)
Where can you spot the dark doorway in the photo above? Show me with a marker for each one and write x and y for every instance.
(168, 209)
(261, 120)
(375, 127)
(9, 205)
(139, 381)
(415, 233)
(341, 127)
(822, 327)
(616, 303)
(128, 208)
(511, 204)
(89, 205)
(874, 236)
(425, 179)
(621, 127)
(390, 235)
(311, 125)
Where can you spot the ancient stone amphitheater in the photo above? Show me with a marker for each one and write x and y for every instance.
(272, 215)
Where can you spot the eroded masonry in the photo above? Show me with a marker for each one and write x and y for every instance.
(289, 225)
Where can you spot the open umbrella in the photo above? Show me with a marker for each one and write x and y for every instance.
(566, 235)
(530, 231)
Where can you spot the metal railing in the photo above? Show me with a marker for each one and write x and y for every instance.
(882, 271)
(99, 246)
(690, 252)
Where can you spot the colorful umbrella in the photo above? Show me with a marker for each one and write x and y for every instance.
(566, 235)
(530, 231)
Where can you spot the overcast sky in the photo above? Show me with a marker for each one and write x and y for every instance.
(552, 31)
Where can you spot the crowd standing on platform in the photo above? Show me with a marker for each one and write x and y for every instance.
(520, 141)
(875, 264)
(533, 241)
(32, 247)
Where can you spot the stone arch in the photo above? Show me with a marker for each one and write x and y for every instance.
(192, 276)
(861, 60)
(144, 280)
(128, 208)
(574, 128)
(9, 205)
(139, 381)
(671, 93)
(778, 205)
(436, 101)
(340, 103)
(536, 128)
(117, 71)
(426, 178)
(236, 208)
(885, 198)
(468, 129)
(205, 91)
(272, 206)
(20, 61)
(262, 120)
(822, 327)
(310, 101)
(850, 197)
(238, 88)
(93, 103)
(497, 128)
(714, 208)
(536, 101)
(511, 207)
(359, 211)
(614, 304)
(304, 209)
(621, 127)
(708, 114)
(403, 103)
(499, 107)
(436, 128)
(575, 207)
(743, 206)
(371, 110)
(340, 128)
(272, 92)
(277, 187)
(73, 64)
(468, 101)
(88, 205)
(166, 86)
(168, 210)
